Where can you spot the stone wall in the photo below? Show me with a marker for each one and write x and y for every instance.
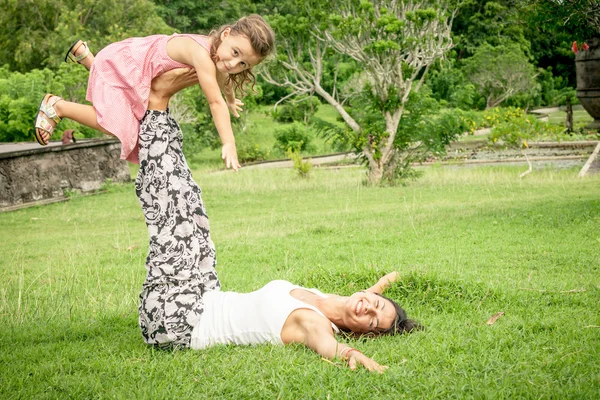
(32, 174)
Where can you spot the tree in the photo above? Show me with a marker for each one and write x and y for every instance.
(500, 72)
(393, 42)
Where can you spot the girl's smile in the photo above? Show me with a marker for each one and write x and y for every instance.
(235, 53)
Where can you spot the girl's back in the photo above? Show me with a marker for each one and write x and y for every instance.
(119, 84)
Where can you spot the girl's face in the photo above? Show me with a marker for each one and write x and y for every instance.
(235, 54)
(366, 312)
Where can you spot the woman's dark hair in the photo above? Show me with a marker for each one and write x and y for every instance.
(261, 37)
(401, 324)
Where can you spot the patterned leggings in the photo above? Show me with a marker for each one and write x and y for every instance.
(181, 258)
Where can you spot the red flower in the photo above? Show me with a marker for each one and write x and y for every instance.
(574, 47)
(585, 46)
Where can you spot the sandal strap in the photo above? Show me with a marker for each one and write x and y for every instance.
(44, 124)
(47, 107)
(80, 57)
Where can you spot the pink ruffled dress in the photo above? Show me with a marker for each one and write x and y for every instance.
(119, 84)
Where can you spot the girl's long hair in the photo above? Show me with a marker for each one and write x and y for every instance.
(262, 39)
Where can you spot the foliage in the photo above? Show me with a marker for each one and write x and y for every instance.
(302, 167)
(296, 137)
(302, 109)
(581, 16)
(488, 21)
(37, 34)
(393, 46)
(20, 96)
(202, 16)
(426, 130)
(554, 89)
(500, 72)
(449, 84)
(192, 16)
(248, 149)
(518, 128)
(200, 130)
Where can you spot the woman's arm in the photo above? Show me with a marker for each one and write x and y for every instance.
(384, 282)
(187, 51)
(313, 330)
(164, 86)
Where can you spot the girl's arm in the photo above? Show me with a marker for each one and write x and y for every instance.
(313, 330)
(384, 282)
(185, 50)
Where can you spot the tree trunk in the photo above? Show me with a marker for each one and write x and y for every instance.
(375, 173)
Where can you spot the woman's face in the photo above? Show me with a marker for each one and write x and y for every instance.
(367, 312)
(235, 53)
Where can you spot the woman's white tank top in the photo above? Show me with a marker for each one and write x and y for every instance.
(248, 318)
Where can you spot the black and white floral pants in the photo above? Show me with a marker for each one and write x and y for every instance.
(181, 258)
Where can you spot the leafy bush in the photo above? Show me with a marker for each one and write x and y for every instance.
(300, 110)
(20, 96)
(475, 120)
(248, 149)
(302, 167)
(296, 137)
(518, 129)
(448, 84)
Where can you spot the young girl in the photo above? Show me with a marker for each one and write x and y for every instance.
(120, 77)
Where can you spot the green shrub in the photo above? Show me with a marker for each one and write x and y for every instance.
(20, 96)
(249, 150)
(518, 129)
(296, 137)
(252, 152)
(300, 110)
(302, 167)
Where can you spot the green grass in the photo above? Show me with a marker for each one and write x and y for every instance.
(469, 242)
(580, 116)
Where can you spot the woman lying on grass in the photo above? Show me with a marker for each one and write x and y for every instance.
(181, 304)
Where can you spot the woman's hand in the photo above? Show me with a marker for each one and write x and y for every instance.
(390, 278)
(235, 107)
(384, 282)
(355, 358)
(229, 156)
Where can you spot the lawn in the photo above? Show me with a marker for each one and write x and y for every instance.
(579, 116)
(468, 242)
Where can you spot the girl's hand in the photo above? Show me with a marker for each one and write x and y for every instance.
(235, 107)
(229, 155)
(355, 358)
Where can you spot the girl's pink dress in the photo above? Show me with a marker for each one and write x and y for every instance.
(119, 84)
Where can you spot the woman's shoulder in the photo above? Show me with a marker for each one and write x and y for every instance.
(303, 322)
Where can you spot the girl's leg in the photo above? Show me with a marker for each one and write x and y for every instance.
(181, 258)
(81, 113)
